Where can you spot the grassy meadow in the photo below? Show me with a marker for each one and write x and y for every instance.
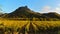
(29, 27)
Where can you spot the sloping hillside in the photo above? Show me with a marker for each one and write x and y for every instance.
(25, 12)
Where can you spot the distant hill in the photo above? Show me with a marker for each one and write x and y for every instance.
(25, 12)
(52, 15)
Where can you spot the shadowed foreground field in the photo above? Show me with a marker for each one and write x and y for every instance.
(29, 27)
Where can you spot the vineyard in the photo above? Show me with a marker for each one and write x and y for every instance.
(29, 27)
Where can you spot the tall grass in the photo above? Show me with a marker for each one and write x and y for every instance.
(40, 27)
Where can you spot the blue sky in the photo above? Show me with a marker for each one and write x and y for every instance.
(36, 5)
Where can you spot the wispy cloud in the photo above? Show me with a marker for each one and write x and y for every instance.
(57, 10)
(47, 9)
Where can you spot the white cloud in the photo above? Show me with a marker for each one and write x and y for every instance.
(58, 4)
(57, 10)
(47, 9)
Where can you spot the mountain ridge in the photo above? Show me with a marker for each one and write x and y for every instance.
(25, 12)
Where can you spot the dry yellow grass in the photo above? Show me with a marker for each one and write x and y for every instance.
(14, 23)
(47, 24)
(17, 23)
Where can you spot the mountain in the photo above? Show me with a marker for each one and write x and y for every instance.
(52, 15)
(25, 12)
(2, 14)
